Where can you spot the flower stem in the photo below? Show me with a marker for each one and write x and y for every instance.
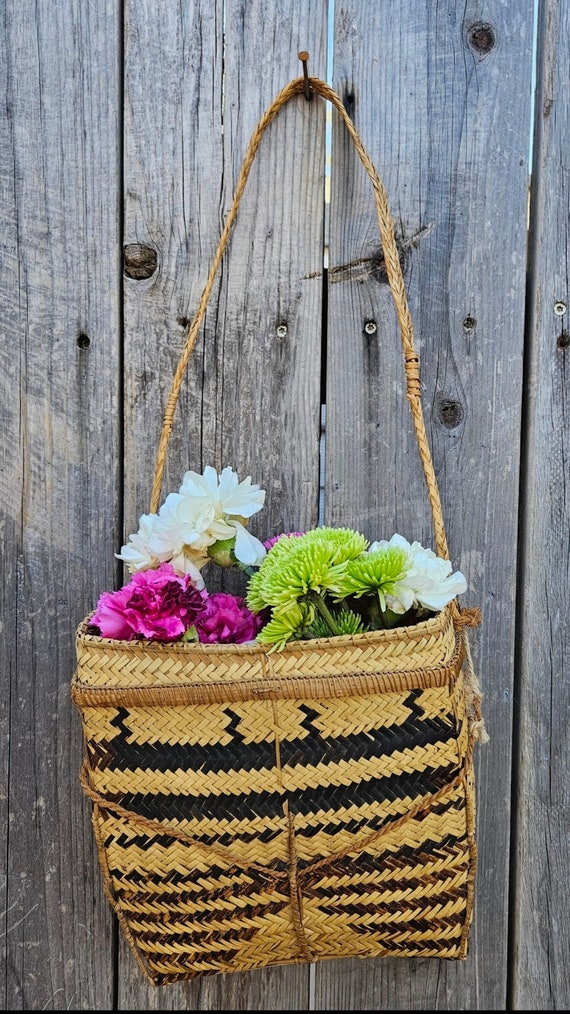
(325, 612)
(249, 571)
(376, 615)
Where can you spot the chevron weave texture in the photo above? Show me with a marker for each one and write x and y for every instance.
(245, 820)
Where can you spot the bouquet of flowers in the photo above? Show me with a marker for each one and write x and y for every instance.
(300, 585)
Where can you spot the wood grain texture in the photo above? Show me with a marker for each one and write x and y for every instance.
(251, 398)
(441, 96)
(173, 138)
(59, 74)
(540, 971)
(435, 113)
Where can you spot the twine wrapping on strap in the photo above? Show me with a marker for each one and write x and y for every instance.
(467, 618)
(462, 619)
(473, 695)
(395, 280)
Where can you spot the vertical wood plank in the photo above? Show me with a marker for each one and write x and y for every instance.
(540, 971)
(441, 96)
(173, 145)
(173, 113)
(251, 398)
(59, 349)
(269, 347)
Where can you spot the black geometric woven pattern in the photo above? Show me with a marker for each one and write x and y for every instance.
(304, 829)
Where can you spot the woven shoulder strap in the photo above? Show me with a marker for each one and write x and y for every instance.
(395, 280)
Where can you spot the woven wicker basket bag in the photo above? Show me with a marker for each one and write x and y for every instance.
(257, 808)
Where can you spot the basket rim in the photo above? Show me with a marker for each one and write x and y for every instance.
(414, 631)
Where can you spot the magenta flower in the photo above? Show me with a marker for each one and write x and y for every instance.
(226, 619)
(271, 542)
(157, 604)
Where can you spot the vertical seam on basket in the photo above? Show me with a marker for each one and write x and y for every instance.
(277, 742)
(472, 847)
(294, 888)
(477, 732)
(458, 686)
(267, 666)
(296, 893)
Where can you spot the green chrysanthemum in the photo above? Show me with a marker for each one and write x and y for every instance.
(296, 566)
(289, 624)
(378, 571)
(343, 543)
(254, 598)
(347, 623)
(298, 573)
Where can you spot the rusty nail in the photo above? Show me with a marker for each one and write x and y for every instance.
(304, 56)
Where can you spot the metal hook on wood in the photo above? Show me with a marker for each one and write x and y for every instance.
(304, 56)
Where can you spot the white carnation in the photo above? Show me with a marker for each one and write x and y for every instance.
(429, 582)
(208, 508)
(145, 549)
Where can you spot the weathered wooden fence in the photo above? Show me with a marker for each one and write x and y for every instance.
(123, 126)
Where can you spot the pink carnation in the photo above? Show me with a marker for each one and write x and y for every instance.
(226, 619)
(271, 542)
(158, 604)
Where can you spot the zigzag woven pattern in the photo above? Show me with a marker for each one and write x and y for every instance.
(245, 832)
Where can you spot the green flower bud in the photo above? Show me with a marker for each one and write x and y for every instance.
(222, 552)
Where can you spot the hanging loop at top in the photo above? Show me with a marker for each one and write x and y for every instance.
(395, 281)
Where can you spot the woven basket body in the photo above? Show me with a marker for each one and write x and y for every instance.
(255, 808)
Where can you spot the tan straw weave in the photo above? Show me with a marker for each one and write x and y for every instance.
(257, 808)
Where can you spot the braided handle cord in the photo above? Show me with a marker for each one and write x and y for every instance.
(395, 279)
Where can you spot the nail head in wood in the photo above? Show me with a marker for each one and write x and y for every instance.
(304, 56)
